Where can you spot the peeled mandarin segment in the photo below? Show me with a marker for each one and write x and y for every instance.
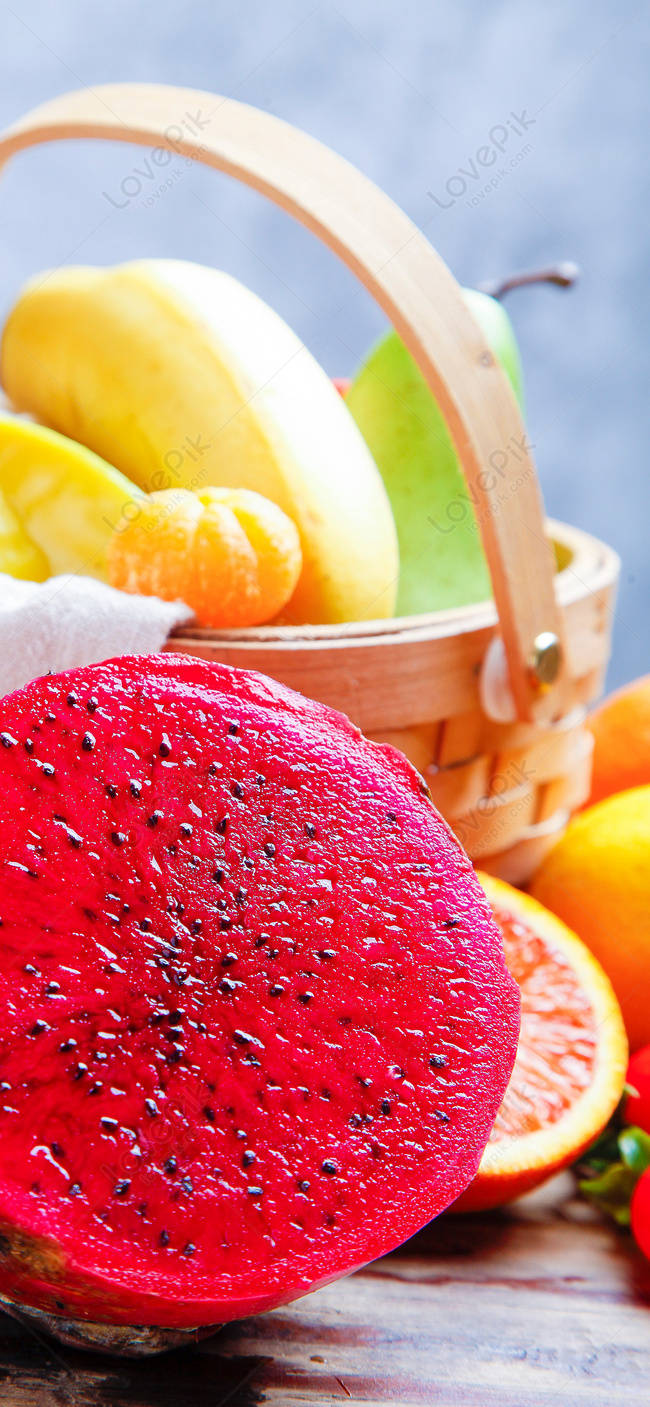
(276, 543)
(232, 555)
(571, 1060)
(225, 582)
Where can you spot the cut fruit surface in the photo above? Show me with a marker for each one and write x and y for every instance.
(256, 1018)
(571, 1060)
(59, 503)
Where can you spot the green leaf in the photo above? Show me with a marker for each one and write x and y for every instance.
(611, 1191)
(634, 1146)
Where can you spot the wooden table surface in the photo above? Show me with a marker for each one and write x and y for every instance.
(541, 1304)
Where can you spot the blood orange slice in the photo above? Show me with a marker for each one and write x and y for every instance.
(570, 1068)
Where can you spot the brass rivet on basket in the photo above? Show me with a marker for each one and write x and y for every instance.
(545, 660)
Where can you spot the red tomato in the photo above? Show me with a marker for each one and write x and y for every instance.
(640, 1213)
(637, 1106)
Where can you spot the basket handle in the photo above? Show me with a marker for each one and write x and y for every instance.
(420, 297)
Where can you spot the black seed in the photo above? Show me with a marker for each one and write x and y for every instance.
(242, 1037)
(385, 1106)
(225, 923)
(310, 830)
(196, 926)
(228, 959)
(213, 769)
(237, 791)
(247, 1157)
(164, 1237)
(154, 818)
(185, 829)
(118, 837)
(171, 1166)
(391, 816)
(111, 789)
(330, 1167)
(218, 876)
(80, 1071)
(121, 1188)
(28, 745)
(441, 1116)
(305, 997)
(172, 849)
(189, 1249)
(222, 825)
(255, 1191)
(165, 746)
(135, 787)
(144, 925)
(209, 1113)
(74, 1189)
(240, 896)
(7, 740)
(92, 703)
(52, 987)
(72, 700)
(57, 1150)
(269, 849)
(108, 1123)
(50, 717)
(233, 729)
(326, 954)
(451, 923)
(364, 1081)
(276, 990)
(47, 769)
(67, 1045)
(261, 939)
(151, 1108)
(88, 742)
(227, 987)
(437, 1062)
(39, 1027)
(304, 1185)
(174, 1056)
(186, 1185)
(397, 1072)
(260, 779)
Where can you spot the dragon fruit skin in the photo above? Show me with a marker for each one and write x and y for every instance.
(256, 1021)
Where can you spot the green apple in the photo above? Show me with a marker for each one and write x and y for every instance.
(441, 557)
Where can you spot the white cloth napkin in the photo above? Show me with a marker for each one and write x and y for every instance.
(74, 620)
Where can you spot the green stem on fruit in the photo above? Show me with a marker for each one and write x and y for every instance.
(562, 275)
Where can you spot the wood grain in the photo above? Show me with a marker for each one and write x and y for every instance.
(543, 1305)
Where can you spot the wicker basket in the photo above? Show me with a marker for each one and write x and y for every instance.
(503, 747)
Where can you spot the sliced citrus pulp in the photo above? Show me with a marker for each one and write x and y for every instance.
(571, 1061)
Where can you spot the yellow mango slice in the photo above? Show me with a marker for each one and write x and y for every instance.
(59, 503)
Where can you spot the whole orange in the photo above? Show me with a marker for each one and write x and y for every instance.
(597, 879)
(621, 729)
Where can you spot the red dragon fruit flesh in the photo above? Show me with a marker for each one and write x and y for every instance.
(255, 1017)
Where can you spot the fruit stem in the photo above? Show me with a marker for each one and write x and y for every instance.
(562, 275)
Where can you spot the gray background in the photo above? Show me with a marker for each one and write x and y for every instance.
(409, 91)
